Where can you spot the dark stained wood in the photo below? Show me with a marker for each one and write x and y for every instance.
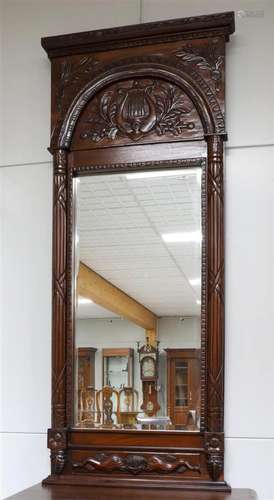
(215, 281)
(59, 296)
(108, 119)
(56, 492)
(112, 95)
(140, 34)
(157, 156)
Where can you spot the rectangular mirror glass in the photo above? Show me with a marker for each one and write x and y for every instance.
(138, 300)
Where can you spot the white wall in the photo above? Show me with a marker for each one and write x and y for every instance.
(26, 214)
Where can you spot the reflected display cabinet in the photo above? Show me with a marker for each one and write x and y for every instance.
(86, 384)
(118, 368)
(183, 372)
(148, 97)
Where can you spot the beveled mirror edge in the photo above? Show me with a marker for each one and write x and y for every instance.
(208, 445)
(80, 171)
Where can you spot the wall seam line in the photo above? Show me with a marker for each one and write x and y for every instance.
(49, 162)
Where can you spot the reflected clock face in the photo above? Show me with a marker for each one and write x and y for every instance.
(148, 367)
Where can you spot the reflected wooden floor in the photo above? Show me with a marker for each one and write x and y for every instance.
(39, 492)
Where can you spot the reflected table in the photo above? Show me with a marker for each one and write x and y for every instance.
(154, 421)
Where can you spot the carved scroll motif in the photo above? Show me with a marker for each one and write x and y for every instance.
(136, 464)
(138, 108)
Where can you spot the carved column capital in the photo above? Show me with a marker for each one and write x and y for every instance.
(214, 447)
(60, 162)
(57, 443)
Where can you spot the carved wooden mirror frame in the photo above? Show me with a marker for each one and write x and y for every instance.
(93, 75)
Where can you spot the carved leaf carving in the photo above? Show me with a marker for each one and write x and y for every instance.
(71, 74)
(137, 109)
(206, 58)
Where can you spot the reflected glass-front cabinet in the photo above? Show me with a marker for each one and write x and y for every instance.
(183, 397)
(118, 367)
(86, 384)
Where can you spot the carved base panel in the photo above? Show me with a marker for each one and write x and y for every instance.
(89, 457)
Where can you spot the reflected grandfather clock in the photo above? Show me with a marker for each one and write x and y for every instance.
(149, 359)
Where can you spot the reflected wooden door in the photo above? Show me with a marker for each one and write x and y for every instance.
(183, 372)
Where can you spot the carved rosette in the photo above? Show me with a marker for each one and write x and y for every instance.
(136, 464)
(59, 290)
(214, 447)
(57, 443)
(215, 280)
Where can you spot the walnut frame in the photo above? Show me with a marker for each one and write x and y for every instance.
(165, 459)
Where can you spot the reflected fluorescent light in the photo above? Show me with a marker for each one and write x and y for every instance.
(77, 239)
(198, 302)
(187, 237)
(84, 300)
(195, 281)
(163, 173)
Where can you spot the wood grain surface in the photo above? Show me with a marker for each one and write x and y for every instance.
(56, 492)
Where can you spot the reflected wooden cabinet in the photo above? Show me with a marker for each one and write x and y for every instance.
(183, 375)
(118, 367)
(86, 383)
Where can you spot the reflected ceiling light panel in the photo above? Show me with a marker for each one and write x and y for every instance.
(161, 173)
(84, 300)
(187, 237)
(195, 281)
(77, 239)
(198, 302)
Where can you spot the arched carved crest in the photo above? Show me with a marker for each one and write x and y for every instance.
(137, 110)
(195, 71)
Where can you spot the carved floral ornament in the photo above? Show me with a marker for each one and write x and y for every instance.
(137, 108)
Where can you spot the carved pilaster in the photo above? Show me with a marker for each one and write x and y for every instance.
(57, 443)
(215, 280)
(214, 447)
(59, 290)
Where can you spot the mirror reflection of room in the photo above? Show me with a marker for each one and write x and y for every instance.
(138, 300)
